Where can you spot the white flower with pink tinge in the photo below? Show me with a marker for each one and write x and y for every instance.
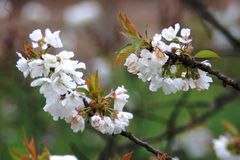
(131, 63)
(120, 97)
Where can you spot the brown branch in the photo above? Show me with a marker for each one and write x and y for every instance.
(191, 62)
(149, 148)
(200, 8)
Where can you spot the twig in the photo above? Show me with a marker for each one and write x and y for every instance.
(200, 8)
(218, 104)
(172, 118)
(149, 148)
(191, 62)
(108, 150)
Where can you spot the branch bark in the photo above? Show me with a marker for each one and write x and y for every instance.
(191, 62)
(148, 147)
(201, 10)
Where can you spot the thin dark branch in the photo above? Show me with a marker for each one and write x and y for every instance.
(108, 150)
(217, 105)
(191, 62)
(77, 152)
(173, 117)
(148, 147)
(201, 10)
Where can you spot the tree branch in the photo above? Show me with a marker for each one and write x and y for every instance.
(149, 148)
(173, 117)
(108, 150)
(218, 104)
(191, 62)
(200, 8)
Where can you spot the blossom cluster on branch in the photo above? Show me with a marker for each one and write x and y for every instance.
(68, 95)
(150, 63)
(79, 100)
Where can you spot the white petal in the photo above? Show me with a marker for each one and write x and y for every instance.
(36, 35)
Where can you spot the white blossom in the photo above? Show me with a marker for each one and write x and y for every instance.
(150, 65)
(131, 63)
(105, 125)
(120, 98)
(53, 38)
(202, 83)
(108, 125)
(77, 123)
(36, 36)
(121, 122)
(40, 82)
(156, 39)
(220, 146)
(170, 85)
(36, 68)
(185, 33)
(22, 65)
(97, 122)
(170, 33)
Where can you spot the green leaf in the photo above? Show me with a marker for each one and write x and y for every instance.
(206, 54)
(82, 90)
(17, 154)
(230, 127)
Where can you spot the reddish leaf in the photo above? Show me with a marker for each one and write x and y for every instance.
(31, 147)
(128, 26)
(128, 156)
(124, 53)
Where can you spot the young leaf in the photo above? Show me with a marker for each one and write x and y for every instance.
(17, 154)
(45, 154)
(124, 53)
(128, 26)
(94, 87)
(82, 90)
(230, 128)
(206, 54)
(128, 156)
(31, 148)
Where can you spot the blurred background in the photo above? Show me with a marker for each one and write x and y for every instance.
(91, 28)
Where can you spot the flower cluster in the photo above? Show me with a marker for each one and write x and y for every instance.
(152, 64)
(68, 95)
(227, 147)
